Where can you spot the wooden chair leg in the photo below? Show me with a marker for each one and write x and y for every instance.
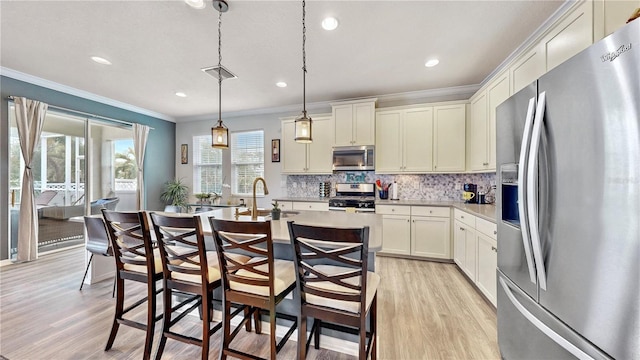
(206, 324)
(86, 271)
(362, 343)
(316, 337)
(226, 329)
(272, 335)
(166, 320)
(302, 337)
(257, 321)
(247, 326)
(151, 319)
(118, 313)
(373, 313)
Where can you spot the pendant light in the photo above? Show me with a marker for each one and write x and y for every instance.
(303, 122)
(220, 133)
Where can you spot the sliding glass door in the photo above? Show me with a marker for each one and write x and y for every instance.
(73, 176)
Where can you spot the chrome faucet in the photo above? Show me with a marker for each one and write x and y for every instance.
(254, 207)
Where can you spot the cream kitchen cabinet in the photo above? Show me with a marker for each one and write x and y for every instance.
(420, 231)
(497, 92)
(404, 140)
(571, 35)
(311, 206)
(465, 242)
(313, 158)
(431, 232)
(487, 259)
(449, 124)
(354, 122)
(285, 205)
(527, 68)
(610, 15)
(396, 229)
(482, 123)
(478, 133)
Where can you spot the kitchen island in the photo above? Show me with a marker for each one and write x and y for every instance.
(280, 231)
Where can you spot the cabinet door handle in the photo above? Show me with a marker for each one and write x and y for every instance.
(461, 216)
(495, 232)
(494, 249)
(430, 211)
(462, 228)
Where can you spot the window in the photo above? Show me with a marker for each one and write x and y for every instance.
(207, 167)
(247, 160)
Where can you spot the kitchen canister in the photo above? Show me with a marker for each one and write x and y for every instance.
(324, 189)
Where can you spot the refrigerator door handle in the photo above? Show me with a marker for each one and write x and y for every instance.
(541, 326)
(522, 173)
(532, 185)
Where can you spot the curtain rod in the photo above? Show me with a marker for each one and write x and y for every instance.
(86, 113)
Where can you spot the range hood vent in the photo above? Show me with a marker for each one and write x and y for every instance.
(213, 71)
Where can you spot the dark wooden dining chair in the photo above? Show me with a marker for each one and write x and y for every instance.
(262, 283)
(336, 289)
(191, 272)
(132, 245)
(97, 241)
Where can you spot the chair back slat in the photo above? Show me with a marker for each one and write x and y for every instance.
(182, 247)
(130, 238)
(249, 238)
(331, 262)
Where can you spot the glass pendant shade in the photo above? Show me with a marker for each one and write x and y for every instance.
(220, 136)
(303, 128)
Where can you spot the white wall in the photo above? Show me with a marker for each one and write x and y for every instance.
(270, 123)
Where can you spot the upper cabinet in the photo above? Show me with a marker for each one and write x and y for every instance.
(313, 158)
(404, 140)
(528, 68)
(497, 92)
(571, 35)
(449, 124)
(354, 122)
(610, 15)
(478, 133)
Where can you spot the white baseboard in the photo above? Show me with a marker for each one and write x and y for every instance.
(6, 262)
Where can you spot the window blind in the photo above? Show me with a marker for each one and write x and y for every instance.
(207, 166)
(247, 160)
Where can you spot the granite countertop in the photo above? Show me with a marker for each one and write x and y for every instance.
(280, 230)
(484, 211)
(303, 199)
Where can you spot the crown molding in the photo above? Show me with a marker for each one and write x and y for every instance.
(10, 73)
(412, 97)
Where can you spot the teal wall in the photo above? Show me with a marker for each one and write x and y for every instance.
(159, 155)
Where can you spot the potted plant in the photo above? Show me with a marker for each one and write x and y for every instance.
(202, 197)
(174, 195)
(275, 212)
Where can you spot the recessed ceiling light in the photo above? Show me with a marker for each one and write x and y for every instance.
(196, 4)
(181, 94)
(432, 63)
(100, 60)
(281, 84)
(330, 23)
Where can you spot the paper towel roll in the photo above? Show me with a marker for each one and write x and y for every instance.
(394, 191)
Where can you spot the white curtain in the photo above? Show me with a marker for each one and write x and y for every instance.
(140, 135)
(29, 118)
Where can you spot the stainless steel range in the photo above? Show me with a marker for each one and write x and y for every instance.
(357, 197)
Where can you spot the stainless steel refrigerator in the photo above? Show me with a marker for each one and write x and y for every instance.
(568, 208)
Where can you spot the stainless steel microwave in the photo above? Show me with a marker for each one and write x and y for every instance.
(353, 158)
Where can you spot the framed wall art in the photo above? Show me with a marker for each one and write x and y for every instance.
(275, 150)
(184, 153)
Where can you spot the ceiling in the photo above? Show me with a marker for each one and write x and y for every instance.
(157, 48)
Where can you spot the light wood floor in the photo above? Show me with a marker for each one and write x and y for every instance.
(425, 311)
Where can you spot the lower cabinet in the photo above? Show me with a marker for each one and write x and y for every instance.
(396, 234)
(475, 251)
(311, 206)
(285, 205)
(422, 231)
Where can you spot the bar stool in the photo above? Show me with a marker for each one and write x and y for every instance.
(135, 260)
(335, 287)
(188, 270)
(97, 242)
(261, 283)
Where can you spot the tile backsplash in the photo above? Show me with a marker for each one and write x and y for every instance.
(445, 187)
